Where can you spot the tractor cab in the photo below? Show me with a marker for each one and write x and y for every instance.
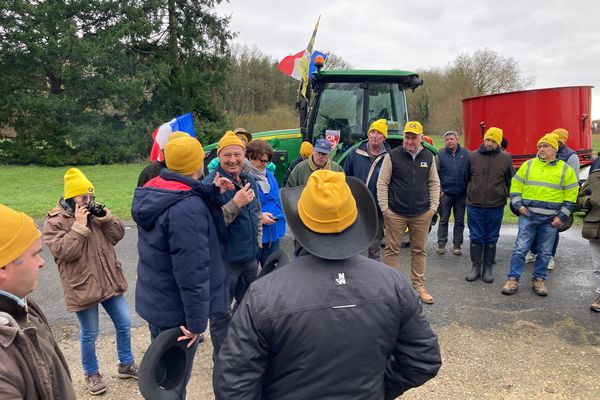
(344, 103)
(339, 106)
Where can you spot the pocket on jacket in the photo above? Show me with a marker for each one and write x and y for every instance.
(590, 229)
(85, 290)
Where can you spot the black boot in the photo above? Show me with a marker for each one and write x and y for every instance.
(489, 254)
(476, 250)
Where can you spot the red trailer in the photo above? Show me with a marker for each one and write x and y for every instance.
(526, 115)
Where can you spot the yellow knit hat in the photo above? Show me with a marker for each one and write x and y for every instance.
(177, 134)
(229, 139)
(551, 139)
(76, 184)
(380, 126)
(184, 155)
(413, 127)
(17, 234)
(495, 134)
(563, 134)
(306, 149)
(326, 204)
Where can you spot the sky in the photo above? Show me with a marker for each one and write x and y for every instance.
(555, 41)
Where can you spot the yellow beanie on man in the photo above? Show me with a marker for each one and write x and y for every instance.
(17, 234)
(326, 204)
(562, 133)
(229, 139)
(495, 134)
(551, 139)
(76, 184)
(380, 126)
(306, 149)
(184, 155)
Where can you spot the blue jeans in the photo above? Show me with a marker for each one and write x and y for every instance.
(266, 250)
(116, 307)
(484, 223)
(532, 231)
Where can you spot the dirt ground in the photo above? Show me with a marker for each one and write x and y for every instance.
(523, 361)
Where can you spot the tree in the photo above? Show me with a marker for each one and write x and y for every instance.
(334, 61)
(85, 81)
(437, 104)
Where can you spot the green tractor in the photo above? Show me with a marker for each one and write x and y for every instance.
(340, 106)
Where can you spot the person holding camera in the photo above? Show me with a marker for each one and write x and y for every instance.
(81, 235)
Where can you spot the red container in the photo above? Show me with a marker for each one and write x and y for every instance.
(527, 115)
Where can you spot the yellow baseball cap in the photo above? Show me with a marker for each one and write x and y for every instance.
(413, 127)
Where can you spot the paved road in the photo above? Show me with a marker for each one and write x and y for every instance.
(477, 304)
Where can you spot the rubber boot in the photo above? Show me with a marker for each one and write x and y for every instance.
(476, 250)
(489, 253)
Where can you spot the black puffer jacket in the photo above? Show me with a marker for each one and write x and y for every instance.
(318, 329)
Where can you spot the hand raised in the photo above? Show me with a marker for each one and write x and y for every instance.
(243, 196)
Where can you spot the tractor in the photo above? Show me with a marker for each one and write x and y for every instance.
(339, 106)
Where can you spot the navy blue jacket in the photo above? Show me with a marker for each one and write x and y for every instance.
(242, 233)
(359, 163)
(181, 273)
(451, 169)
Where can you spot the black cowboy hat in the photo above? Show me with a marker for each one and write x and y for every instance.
(334, 246)
(166, 367)
(563, 227)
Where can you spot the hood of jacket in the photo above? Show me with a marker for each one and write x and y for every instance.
(162, 192)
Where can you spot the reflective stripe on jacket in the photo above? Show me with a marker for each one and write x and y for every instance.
(545, 188)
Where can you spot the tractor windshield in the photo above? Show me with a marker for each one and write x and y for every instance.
(345, 110)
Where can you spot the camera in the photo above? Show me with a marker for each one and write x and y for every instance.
(96, 209)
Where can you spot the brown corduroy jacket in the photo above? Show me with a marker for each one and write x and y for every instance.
(32, 366)
(85, 255)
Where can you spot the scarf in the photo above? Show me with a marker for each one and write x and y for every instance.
(259, 176)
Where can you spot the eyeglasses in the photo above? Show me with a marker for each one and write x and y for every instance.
(264, 162)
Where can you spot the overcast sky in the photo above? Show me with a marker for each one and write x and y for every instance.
(555, 41)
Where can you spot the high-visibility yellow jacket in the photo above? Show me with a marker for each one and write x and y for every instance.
(545, 188)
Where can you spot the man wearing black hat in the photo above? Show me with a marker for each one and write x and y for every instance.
(331, 323)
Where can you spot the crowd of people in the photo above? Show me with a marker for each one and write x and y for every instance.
(331, 323)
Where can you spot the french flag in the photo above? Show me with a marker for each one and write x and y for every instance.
(289, 64)
(183, 123)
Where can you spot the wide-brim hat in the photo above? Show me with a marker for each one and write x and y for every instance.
(166, 367)
(334, 246)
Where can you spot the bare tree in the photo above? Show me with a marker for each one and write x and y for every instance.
(487, 72)
(334, 61)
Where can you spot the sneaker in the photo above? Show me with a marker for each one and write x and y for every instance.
(128, 371)
(539, 287)
(95, 384)
(530, 258)
(424, 296)
(511, 286)
(551, 264)
(596, 305)
(457, 251)
(441, 249)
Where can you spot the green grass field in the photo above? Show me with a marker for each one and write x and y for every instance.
(36, 190)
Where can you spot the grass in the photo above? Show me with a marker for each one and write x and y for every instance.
(36, 190)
